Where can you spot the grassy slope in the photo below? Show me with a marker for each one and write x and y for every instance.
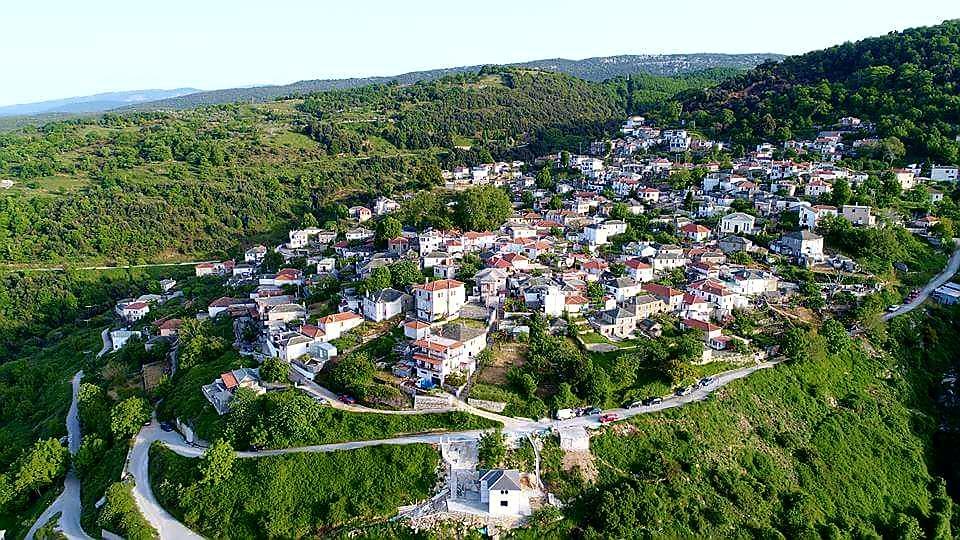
(837, 440)
(295, 495)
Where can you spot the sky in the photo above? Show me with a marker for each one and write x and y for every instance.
(59, 48)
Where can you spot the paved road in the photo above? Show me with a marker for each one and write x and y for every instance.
(68, 503)
(107, 342)
(952, 266)
(138, 465)
(168, 527)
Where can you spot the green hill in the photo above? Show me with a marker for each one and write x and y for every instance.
(906, 83)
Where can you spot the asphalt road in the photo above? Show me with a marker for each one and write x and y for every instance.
(68, 503)
(952, 266)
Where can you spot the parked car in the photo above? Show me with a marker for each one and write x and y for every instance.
(683, 390)
(348, 399)
(565, 414)
(653, 401)
(706, 381)
(609, 417)
(635, 404)
(592, 411)
(166, 426)
(893, 308)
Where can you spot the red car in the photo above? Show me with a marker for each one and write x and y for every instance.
(609, 417)
(349, 400)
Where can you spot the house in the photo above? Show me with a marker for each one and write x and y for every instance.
(439, 299)
(491, 284)
(286, 312)
(668, 295)
(639, 271)
(802, 245)
(438, 357)
(360, 213)
(735, 244)
(947, 294)
(622, 288)
(944, 173)
(169, 327)
(337, 324)
(858, 215)
(255, 254)
(737, 223)
(811, 215)
(575, 303)
(224, 303)
(286, 276)
(474, 339)
(710, 331)
(817, 188)
(385, 205)
(358, 234)
(724, 299)
(301, 238)
(119, 338)
(615, 322)
(906, 178)
(415, 329)
(214, 268)
(645, 306)
(385, 304)
(695, 232)
(132, 311)
(221, 391)
(500, 490)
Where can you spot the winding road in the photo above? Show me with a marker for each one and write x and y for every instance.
(168, 527)
(952, 266)
(68, 503)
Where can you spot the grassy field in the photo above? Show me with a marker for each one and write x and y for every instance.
(297, 495)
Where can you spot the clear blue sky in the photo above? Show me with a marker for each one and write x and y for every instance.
(60, 48)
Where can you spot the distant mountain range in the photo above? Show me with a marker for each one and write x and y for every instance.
(591, 69)
(94, 103)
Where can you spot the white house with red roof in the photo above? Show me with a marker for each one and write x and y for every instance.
(132, 311)
(337, 324)
(286, 276)
(719, 294)
(810, 216)
(695, 232)
(673, 298)
(710, 330)
(439, 299)
(639, 271)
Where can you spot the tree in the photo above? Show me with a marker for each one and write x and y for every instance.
(354, 373)
(217, 461)
(40, 466)
(387, 229)
(544, 178)
(309, 220)
(491, 450)
(128, 416)
(841, 193)
(404, 273)
(271, 262)
(836, 336)
(564, 398)
(274, 369)
(482, 208)
(795, 344)
(379, 279)
(89, 455)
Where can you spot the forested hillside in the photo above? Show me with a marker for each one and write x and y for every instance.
(148, 186)
(905, 82)
(590, 69)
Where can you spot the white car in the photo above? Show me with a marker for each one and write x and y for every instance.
(893, 308)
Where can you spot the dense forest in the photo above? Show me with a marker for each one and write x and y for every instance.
(905, 83)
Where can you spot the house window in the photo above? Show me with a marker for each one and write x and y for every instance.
(504, 503)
